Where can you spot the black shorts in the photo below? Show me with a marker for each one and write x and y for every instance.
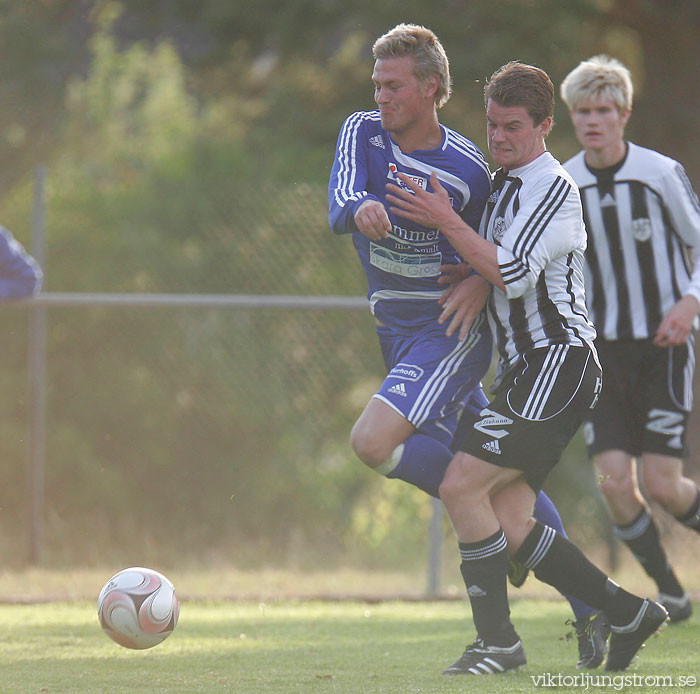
(537, 409)
(646, 398)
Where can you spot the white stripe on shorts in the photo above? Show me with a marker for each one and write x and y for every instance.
(447, 368)
(544, 383)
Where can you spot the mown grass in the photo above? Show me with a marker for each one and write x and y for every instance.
(312, 647)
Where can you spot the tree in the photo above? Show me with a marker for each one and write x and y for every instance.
(298, 67)
(43, 44)
(669, 100)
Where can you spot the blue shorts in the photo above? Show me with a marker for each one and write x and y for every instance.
(431, 376)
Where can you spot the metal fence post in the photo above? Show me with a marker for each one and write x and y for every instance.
(37, 378)
(434, 548)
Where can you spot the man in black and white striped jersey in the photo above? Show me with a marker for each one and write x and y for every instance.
(531, 248)
(643, 222)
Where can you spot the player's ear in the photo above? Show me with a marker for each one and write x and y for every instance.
(546, 126)
(430, 86)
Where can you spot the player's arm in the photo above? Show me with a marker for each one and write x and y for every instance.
(681, 204)
(677, 324)
(351, 207)
(20, 274)
(466, 291)
(463, 300)
(435, 210)
(683, 207)
(547, 225)
(372, 220)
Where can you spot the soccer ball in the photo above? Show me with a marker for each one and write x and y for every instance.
(138, 608)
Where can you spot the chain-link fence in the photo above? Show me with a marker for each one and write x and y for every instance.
(204, 424)
(195, 399)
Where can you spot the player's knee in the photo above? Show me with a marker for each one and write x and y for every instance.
(616, 487)
(448, 490)
(454, 487)
(617, 482)
(663, 489)
(368, 447)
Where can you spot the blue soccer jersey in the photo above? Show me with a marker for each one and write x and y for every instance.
(430, 377)
(403, 269)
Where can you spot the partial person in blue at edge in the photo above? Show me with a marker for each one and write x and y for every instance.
(20, 274)
(406, 431)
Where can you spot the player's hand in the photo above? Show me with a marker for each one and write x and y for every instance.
(372, 220)
(464, 301)
(676, 325)
(428, 209)
(453, 274)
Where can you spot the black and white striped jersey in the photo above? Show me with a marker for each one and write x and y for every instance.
(643, 222)
(535, 220)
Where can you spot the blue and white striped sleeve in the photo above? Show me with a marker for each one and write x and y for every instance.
(348, 180)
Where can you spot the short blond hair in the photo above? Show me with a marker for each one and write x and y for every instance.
(598, 77)
(429, 57)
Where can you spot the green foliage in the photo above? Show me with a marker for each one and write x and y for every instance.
(37, 57)
(284, 75)
(188, 147)
(191, 431)
(142, 165)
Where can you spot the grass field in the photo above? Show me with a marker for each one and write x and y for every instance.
(342, 647)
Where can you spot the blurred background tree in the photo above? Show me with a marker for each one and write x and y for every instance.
(289, 72)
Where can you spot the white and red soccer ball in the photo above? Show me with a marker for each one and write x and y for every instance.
(138, 608)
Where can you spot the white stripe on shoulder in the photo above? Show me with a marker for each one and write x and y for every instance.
(427, 169)
(347, 156)
(347, 159)
(468, 149)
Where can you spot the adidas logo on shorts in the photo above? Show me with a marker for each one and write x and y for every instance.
(398, 389)
(492, 447)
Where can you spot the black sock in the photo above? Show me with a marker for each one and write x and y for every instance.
(642, 537)
(557, 561)
(692, 518)
(484, 568)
